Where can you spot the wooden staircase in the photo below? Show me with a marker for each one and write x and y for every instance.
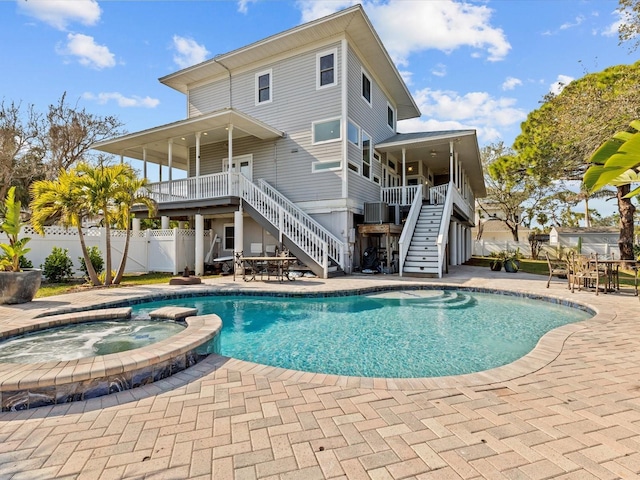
(422, 257)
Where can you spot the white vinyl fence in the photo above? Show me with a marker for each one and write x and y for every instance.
(484, 248)
(149, 250)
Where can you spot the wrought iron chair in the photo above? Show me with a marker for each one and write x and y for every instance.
(558, 268)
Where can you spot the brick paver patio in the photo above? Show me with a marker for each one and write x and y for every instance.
(571, 410)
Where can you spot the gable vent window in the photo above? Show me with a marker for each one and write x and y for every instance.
(391, 117)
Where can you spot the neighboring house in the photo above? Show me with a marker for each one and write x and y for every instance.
(592, 239)
(288, 138)
(490, 227)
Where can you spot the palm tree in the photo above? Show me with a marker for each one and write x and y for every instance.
(62, 200)
(584, 195)
(132, 191)
(101, 185)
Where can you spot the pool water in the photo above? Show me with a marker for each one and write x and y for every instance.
(394, 334)
(85, 340)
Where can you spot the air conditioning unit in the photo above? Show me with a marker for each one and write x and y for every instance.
(377, 212)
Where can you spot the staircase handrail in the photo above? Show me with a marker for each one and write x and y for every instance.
(336, 247)
(287, 224)
(409, 227)
(443, 232)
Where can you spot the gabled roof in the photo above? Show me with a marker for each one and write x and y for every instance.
(352, 21)
(433, 147)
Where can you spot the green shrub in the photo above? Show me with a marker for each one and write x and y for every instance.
(25, 262)
(96, 260)
(58, 267)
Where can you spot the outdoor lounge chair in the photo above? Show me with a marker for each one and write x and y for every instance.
(558, 269)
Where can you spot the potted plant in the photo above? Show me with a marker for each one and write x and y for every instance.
(497, 260)
(16, 285)
(512, 260)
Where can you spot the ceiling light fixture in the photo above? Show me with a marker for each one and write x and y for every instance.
(433, 153)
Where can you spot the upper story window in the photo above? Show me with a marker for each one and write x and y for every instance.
(263, 87)
(366, 88)
(366, 155)
(391, 117)
(353, 133)
(326, 131)
(327, 70)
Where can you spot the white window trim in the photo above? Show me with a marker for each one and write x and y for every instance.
(332, 140)
(356, 169)
(368, 102)
(349, 121)
(335, 68)
(337, 168)
(224, 236)
(395, 117)
(363, 133)
(257, 87)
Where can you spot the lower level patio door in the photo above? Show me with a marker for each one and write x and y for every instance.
(241, 164)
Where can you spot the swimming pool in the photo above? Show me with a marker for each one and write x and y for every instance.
(392, 334)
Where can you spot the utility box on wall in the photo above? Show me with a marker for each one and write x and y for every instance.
(376, 212)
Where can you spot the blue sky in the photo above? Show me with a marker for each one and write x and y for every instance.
(481, 65)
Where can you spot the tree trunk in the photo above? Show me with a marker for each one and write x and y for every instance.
(93, 276)
(125, 254)
(626, 209)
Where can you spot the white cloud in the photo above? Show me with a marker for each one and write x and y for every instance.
(87, 51)
(511, 83)
(578, 21)
(439, 70)
(408, 27)
(59, 13)
(562, 81)
(449, 110)
(243, 5)
(612, 29)
(122, 101)
(188, 51)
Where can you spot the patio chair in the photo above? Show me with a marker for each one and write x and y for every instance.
(587, 273)
(558, 269)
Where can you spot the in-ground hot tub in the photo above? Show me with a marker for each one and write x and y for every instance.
(29, 385)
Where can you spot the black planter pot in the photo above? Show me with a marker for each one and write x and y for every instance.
(496, 265)
(19, 287)
(511, 266)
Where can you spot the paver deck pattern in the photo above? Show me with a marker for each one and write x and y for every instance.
(575, 416)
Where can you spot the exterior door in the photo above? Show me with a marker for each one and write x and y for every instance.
(242, 164)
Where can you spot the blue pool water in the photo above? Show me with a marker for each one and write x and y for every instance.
(394, 334)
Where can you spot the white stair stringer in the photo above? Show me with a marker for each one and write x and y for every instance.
(422, 257)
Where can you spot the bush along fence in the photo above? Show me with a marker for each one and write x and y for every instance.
(168, 250)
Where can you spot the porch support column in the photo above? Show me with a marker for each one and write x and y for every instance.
(404, 176)
(230, 156)
(238, 240)
(144, 162)
(198, 164)
(121, 158)
(170, 162)
(164, 222)
(451, 173)
(453, 243)
(199, 266)
(135, 225)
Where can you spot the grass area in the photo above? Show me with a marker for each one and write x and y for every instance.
(540, 267)
(49, 289)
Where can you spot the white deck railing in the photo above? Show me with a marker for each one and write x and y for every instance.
(443, 232)
(214, 185)
(409, 227)
(399, 195)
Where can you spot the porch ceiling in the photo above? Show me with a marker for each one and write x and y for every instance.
(433, 149)
(212, 126)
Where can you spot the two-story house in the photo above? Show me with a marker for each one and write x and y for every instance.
(286, 141)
